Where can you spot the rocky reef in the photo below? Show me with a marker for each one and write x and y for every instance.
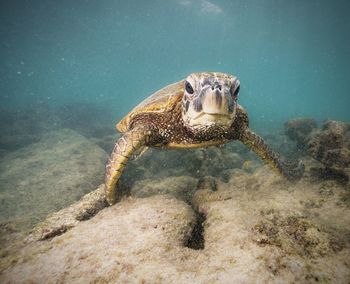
(202, 216)
(329, 144)
(255, 227)
(299, 129)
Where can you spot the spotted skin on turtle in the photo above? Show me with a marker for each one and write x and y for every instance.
(199, 111)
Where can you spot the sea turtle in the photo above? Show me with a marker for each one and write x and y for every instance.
(199, 111)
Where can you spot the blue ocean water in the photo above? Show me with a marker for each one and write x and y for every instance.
(292, 57)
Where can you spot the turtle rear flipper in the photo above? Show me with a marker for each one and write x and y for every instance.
(291, 170)
(125, 146)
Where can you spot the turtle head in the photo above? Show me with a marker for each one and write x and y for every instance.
(210, 99)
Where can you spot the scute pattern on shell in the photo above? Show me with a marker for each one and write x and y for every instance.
(160, 102)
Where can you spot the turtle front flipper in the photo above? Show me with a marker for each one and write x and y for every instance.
(123, 149)
(291, 170)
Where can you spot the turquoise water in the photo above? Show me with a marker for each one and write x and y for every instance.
(292, 57)
(71, 69)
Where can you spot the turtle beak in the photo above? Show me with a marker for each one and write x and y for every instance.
(217, 100)
(213, 102)
(214, 106)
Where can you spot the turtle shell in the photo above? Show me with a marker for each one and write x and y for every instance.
(160, 102)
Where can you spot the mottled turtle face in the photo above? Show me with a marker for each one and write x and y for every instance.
(210, 99)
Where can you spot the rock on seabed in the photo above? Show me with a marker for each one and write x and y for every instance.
(256, 228)
(132, 241)
(48, 175)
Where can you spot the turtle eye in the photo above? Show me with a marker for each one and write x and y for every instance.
(237, 91)
(189, 88)
(234, 92)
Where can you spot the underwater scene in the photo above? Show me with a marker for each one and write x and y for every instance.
(175, 141)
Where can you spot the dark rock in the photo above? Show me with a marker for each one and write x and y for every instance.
(337, 157)
(330, 145)
(299, 129)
